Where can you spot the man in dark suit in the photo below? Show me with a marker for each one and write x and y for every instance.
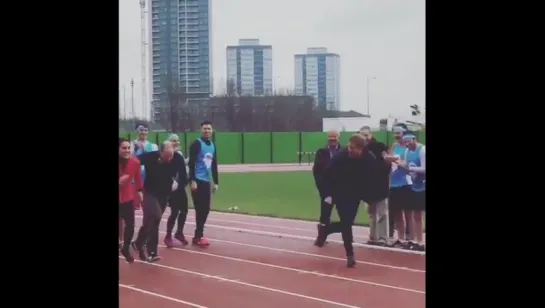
(322, 161)
(378, 212)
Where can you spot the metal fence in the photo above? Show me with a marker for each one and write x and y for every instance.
(265, 147)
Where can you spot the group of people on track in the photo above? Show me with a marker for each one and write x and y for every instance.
(392, 182)
(152, 177)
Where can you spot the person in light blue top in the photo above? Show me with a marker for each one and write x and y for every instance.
(203, 173)
(141, 144)
(400, 190)
(414, 162)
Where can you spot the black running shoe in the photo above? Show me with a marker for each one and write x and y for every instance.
(126, 252)
(320, 239)
(416, 247)
(350, 262)
(140, 250)
(153, 257)
(398, 244)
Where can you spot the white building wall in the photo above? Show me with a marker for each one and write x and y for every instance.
(299, 76)
(247, 71)
(312, 76)
(267, 71)
(232, 65)
(332, 81)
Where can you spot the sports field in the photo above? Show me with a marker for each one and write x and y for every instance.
(276, 192)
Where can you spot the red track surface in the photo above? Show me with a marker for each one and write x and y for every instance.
(245, 269)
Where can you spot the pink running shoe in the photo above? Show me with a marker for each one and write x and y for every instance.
(168, 241)
(202, 242)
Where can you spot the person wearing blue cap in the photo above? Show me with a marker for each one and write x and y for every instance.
(414, 162)
(400, 188)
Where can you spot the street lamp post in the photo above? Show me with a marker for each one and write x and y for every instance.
(368, 94)
(132, 102)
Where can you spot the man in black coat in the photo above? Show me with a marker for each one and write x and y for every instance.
(378, 212)
(322, 161)
(350, 178)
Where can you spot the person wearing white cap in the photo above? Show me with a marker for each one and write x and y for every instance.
(178, 200)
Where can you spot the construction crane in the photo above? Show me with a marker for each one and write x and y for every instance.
(143, 47)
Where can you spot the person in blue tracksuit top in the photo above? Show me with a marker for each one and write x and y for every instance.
(141, 144)
(204, 179)
(400, 189)
(414, 162)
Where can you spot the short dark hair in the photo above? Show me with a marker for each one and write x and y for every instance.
(141, 124)
(121, 140)
(206, 122)
(357, 140)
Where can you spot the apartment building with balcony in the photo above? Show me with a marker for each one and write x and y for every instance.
(317, 73)
(180, 50)
(249, 68)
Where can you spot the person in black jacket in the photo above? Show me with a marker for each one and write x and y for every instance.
(322, 161)
(349, 180)
(158, 186)
(178, 200)
(378, 212)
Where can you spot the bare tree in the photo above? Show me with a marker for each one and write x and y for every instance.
(230, 112)
(176, 104)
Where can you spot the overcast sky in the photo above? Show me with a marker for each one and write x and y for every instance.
(380, 38)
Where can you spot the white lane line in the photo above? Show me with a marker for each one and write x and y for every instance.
(310, 254)
(172, 299)
(306, 238)
(268, 226)
(248, 284)
(301, 271)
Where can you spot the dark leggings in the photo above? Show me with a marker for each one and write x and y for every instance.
(178, 211)
(153, 208)
(347, 213)
(126, 212)
(201, 202)
(325, 212)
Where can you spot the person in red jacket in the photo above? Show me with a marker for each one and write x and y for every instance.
(129, 170)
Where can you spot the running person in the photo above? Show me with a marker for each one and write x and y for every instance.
(178, 199)
(415, 163)
(138, 146)
(158, 187)
(351, 178)
(203, 169)
(129, 169)
(400, 188)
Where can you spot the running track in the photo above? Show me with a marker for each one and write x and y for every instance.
(268, 262)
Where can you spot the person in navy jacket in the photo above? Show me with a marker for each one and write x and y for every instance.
(322, 160)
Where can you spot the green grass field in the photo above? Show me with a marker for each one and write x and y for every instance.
(277, 194)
